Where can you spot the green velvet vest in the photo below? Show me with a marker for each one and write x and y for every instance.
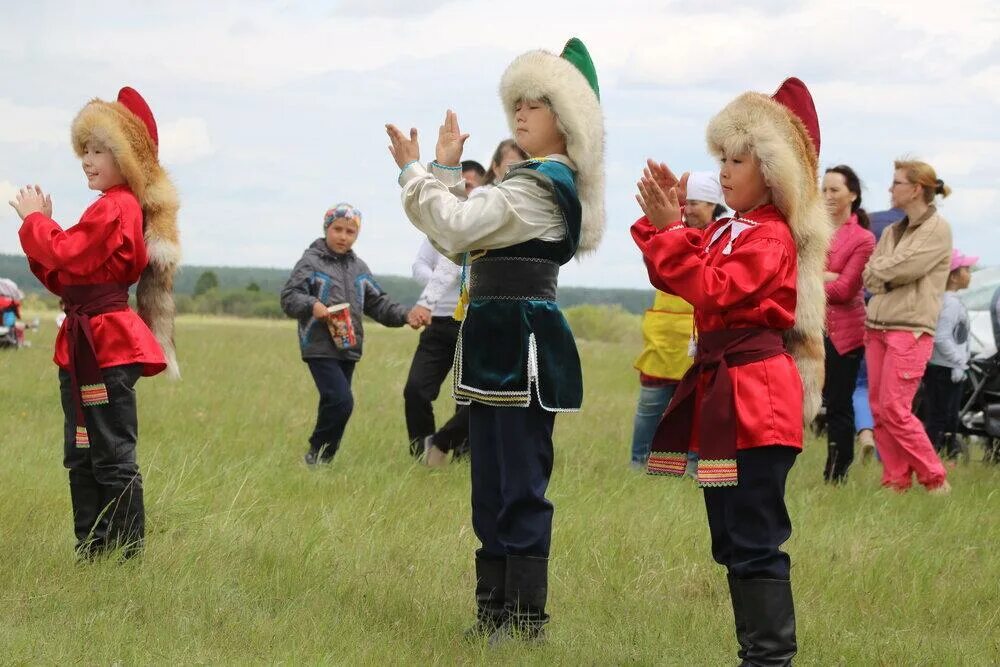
(515, 345)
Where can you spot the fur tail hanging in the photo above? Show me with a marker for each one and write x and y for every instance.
(155, 292)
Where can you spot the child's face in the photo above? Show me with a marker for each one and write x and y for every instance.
(536, 131)
(100, 167)
(836, 195)
(472, 180)
(698, 214)
(743, 184)
(960, 278)
(341, 235)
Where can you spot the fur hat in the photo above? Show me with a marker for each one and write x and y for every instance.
(783, 132)
(568, 82)
(127, 128)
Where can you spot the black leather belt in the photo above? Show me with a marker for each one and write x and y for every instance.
(513, 278)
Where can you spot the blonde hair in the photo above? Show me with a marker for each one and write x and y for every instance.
(923, 175)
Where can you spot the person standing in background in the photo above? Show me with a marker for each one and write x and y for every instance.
(906, 276)
(668, 331)
(850, 249)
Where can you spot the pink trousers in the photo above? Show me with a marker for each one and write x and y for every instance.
(896, 362)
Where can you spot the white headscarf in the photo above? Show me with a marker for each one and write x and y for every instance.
(704, 186)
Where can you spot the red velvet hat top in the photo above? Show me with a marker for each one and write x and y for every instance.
(132, 100)
(794, 96)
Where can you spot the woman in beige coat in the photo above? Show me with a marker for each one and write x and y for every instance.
(906, 275)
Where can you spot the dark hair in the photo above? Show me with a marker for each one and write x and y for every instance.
(472, 165)
(854, 185)
(718, 211)
(491, 176)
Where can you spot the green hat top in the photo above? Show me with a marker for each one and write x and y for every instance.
(576, 53)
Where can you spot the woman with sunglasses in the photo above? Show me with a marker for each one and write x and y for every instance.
(907, 274)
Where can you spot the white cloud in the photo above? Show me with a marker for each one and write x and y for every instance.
(33, 124)
(7, 192)
(184, 140)
(270, 111)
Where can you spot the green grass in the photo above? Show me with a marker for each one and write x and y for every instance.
(252, 558)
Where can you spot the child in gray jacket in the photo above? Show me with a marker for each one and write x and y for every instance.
(329, 291)
(946, 368)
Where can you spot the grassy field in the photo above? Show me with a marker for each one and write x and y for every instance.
(253, 558)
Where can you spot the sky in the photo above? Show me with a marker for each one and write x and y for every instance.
(270, 112)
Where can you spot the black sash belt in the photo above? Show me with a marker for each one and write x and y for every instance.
(513, 278)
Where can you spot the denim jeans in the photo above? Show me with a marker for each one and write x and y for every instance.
(862, 410)
(653, 401)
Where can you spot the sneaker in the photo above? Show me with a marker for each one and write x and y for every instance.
(866, 440)
(321, 456)
(434, 457)
(942, 489)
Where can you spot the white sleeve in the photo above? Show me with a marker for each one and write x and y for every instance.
(444, 280)
(517, 210)
(426, 260)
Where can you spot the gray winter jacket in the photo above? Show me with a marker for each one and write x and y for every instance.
(323, 275)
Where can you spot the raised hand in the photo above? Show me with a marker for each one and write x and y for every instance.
(31, 199)
(661, 208)
(664, 177)
(451, 141)
(403, 150)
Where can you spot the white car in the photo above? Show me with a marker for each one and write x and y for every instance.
(977, 299)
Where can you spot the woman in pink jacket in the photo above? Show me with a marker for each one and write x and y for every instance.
(850, 249)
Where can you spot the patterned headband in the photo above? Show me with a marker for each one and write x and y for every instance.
(341, 210)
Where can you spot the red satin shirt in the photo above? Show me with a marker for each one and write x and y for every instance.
(745, 278)
(106, 246)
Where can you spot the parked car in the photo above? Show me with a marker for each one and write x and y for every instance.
(977, 299)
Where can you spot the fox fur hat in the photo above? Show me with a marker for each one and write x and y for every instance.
(127, 128)
(568, 83)
(783, 132)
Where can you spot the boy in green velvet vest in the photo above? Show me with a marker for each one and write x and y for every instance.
(516, 363)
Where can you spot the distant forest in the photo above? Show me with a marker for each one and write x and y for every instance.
(228, 281)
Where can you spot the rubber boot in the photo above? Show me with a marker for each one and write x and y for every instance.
(739, 616)
(490, 581)
(89, 524)
(527, 588)
(126, 519)
(770, 621)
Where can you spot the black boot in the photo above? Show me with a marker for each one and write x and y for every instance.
(770, 621)
(527, 588)
(126, 519)
(739, 616)
(490, 582)
(89, 524)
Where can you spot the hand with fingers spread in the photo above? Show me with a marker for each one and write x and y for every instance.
(403, 150)
(661, 207)
(31, 199)
(451, 141)
(664, 177)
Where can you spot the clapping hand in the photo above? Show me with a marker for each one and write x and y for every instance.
(661, 207)
(31, 199)
(403, 150)
(451, 141)
(418, 316)
(664, 177)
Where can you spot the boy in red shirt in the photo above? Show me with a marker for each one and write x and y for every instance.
(756, 283)
(129, 234)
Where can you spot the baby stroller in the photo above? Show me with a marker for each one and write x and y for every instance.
(11, 329)
(979, 415)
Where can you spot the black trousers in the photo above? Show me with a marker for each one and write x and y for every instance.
(749, 522)
(838, 394)
(942, 401)
(336, 403)
(431, 363)
(511, 466)
(105, 484)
